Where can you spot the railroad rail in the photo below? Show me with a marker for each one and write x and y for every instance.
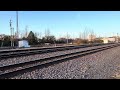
(20, 68)
(31, 51)
(41, 48)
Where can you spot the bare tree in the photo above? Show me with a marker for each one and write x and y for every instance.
(26, 31)
(36, 34)
(85, 33)
(47, 32)
(2, 41)
(67, 37)
(91, 36)
(80, 35)
(40, 35)
(22, 33)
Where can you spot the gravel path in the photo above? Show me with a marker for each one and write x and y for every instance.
(101, 65)
(21, 59)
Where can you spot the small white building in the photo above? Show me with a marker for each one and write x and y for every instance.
(109, 39)
(23, 43)
(105, 40)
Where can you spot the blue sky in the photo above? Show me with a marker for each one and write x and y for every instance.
(103, 23)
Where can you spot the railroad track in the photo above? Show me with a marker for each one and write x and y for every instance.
(24, 52)
(20, 68)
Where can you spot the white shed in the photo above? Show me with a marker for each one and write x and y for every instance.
(105, 40)
(23, 43)
(109, 39)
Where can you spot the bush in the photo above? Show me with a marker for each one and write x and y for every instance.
(80, 41)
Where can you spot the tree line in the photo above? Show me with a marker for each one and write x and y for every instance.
(34, 39)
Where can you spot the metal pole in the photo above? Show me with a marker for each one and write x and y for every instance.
(117, 37)
(67, 37)
(13, 37)
(17, 24)
(11, 31)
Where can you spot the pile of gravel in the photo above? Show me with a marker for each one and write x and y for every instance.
(21, 59)
(100, 65)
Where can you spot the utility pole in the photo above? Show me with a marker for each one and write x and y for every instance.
(26, 31)
(117, 38)
(11, 31)
(67, 37)
(80, 35)
(13, 37)
(17, 24)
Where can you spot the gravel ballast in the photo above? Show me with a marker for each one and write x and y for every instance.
(15, 60)
(100, 65)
